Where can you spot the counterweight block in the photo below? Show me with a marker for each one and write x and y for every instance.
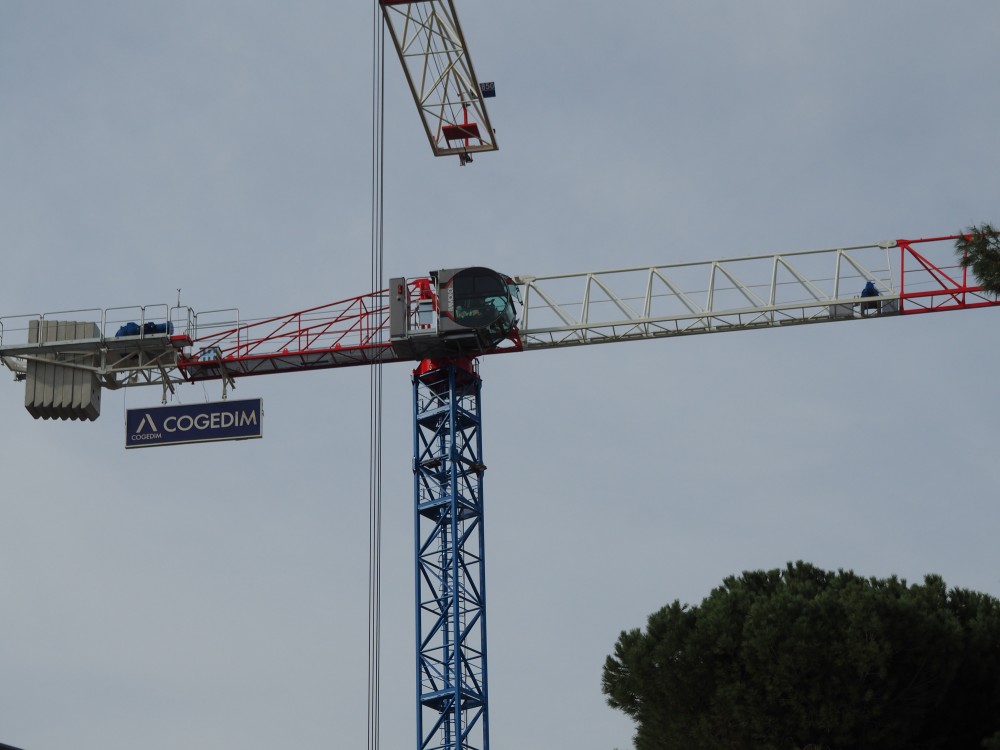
(60, 386)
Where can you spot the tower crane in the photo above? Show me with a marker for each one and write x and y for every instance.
(443, 322)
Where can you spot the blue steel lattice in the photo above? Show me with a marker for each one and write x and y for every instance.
(450, 573)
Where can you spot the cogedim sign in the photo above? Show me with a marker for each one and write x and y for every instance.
(195, 423)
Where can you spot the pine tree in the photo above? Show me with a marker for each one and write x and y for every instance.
(802, 657)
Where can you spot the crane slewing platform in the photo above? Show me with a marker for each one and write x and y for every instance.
(174, 345)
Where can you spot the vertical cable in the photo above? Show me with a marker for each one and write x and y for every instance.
(375, 425)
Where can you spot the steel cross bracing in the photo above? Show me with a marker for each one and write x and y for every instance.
(450, 573)
(819, 286)
(910, 276)
(439, 72)
(348, 332)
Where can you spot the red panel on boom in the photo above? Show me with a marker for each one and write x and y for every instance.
(460, 132)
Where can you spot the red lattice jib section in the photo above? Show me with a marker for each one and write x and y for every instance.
(933, 279)
(340, 334)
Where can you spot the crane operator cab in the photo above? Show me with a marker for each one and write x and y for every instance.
(456, 312)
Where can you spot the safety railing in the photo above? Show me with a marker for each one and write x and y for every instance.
(136, 320)
(15, 329)
(355, 322)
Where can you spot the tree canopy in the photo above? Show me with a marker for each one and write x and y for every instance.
(805, 658)
(979, 249)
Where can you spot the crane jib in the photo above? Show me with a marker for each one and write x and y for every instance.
(463, 313)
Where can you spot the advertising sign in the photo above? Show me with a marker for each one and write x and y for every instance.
(195, 423)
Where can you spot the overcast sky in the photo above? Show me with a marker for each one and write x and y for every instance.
(214, 596)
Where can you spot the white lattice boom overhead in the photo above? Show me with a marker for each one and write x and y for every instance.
(431, 47)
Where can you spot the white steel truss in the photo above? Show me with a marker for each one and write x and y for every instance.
(722, 295)
(438, 69)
